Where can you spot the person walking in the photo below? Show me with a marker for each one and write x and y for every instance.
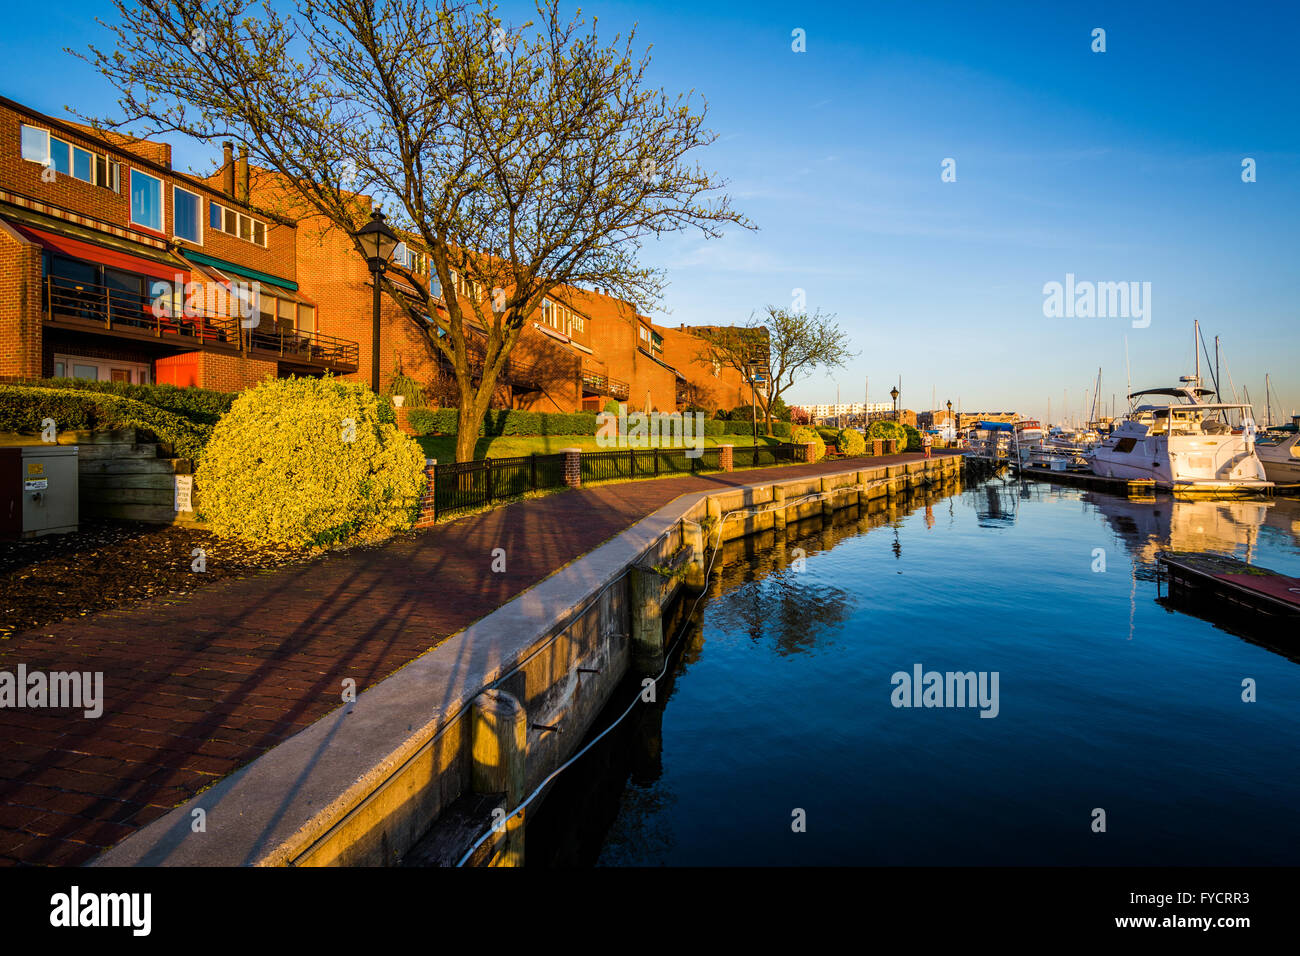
(927, 440)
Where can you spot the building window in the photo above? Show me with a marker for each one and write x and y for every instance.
(306, 318)
(186, 220)
(101, 370)
(146, 201)
(234, 223)
(579, 323)
(38, 146)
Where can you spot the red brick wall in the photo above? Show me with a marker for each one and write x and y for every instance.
(23, 177)
(20, 305)
(726, 390)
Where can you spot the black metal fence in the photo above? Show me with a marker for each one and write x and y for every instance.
(645, 463)
(466, 485)
(758, 456)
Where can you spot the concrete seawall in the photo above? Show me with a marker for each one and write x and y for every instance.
(480, 721)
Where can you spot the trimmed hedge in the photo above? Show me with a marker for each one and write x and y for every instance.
(886, 430)
(850, 442)
(202, 405)
(23, 407)
(804, 435)
(499, 422)
(913, 438)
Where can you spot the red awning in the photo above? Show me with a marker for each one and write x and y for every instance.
(101, 255)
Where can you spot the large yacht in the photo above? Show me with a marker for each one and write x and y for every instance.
(1187, 445)
(1279, 451)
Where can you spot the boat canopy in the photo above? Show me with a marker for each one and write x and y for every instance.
(995, 427)
(1180, 392)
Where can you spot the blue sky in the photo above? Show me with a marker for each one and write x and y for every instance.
(1123, 166)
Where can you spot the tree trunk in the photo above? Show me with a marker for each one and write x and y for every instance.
(466, 428)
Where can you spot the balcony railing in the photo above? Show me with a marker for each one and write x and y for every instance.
(311, 348)
(132, 314)
(595, 382)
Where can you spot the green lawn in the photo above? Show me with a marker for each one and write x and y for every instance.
(443, 448)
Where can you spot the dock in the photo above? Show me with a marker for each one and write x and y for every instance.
(1206, 577)
(1136, 488)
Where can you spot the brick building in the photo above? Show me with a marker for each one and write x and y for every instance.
(114, 266)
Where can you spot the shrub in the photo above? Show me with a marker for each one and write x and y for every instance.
(828, 434)
(283, 466)
(913, 438)
(23, 408)
(887, 430)
(804, 434)
(714, 428)
(850, 442)
(202, 405)
(611, 406)
(410, 390)
(782, 430)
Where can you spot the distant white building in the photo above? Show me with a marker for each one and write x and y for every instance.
(844, 409)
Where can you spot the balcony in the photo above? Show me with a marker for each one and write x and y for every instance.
(88, 307)
(595, 383)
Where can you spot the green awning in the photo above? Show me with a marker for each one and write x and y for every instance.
(244, 271)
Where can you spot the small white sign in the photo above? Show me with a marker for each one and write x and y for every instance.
(38, 484)
(184, 487)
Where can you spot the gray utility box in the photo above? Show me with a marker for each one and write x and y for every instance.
(38, 490)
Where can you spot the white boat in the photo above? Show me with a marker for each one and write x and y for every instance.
(1279, 451)
(1186, 445)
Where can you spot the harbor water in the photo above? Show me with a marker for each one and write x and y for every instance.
(779, 735)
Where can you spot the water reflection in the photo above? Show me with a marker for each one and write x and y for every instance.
(1227, 527)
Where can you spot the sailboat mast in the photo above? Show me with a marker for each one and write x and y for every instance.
(1196, 348)
(1268, 403)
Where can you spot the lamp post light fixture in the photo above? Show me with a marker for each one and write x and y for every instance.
(893, 393)
(952, 424)
(377, 244)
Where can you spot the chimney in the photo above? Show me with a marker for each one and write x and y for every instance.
(228, 169)
(243, 174)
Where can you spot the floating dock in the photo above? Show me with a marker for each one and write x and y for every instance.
(1216, 578)
(1136, 488)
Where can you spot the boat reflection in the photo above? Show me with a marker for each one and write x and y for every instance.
(1177, 524)
(1232, 527)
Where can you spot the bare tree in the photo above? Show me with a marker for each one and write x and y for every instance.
(776, 349)
(524, 160)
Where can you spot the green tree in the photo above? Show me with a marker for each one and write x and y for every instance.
(526, 160)
(775, 350)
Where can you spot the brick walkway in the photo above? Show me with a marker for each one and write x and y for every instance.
(195, 687)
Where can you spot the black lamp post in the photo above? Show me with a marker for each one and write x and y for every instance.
(952, 423)
(893, 393)
(377, 245)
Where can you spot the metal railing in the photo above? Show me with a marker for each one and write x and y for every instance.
(122, 311)
(311, 348)
(593, 381)
(466, 485)
(758, 456)
(644, 463)
(469, 485)
(132, 313)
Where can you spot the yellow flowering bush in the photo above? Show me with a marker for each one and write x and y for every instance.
(850, 442)
(309, 461)
(805, 434)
